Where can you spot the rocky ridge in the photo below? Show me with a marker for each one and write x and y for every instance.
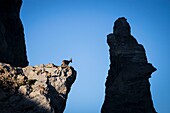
(127, 84)
(35, 89)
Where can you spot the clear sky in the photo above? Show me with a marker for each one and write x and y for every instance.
(64, 29)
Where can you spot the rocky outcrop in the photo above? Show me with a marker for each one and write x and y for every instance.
(127, 85)
(35, 89)
(12, 42)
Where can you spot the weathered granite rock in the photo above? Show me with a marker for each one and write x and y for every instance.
(12, 42)
(127, 85)
(35, 89)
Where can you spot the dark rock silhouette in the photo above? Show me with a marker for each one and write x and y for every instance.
(35, 89)
(12, 42)
(127, 85)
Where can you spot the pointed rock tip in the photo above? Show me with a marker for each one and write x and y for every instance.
(121, 27)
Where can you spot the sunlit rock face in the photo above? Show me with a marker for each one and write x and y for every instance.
(35, 89)
(127, 85)
(12, 42)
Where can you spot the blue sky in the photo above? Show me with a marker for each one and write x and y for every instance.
(64, 29)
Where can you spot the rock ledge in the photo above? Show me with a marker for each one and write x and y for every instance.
(35, 89)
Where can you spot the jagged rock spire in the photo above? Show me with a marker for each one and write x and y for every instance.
(127, 85)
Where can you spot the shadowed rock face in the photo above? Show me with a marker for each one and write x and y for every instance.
(12, 42)
(35, 89)
(127, 85)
